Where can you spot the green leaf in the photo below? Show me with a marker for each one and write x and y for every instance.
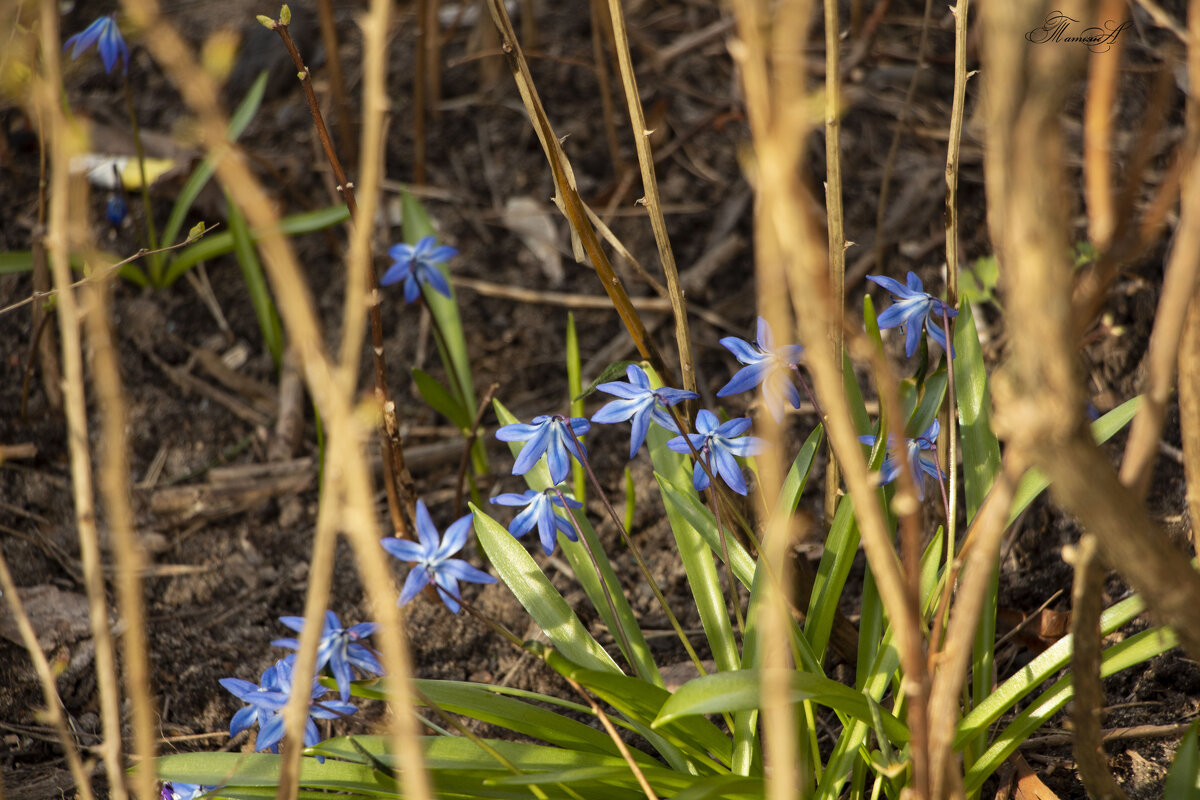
(980, 448)
(452, 343)
(256, 282)
(1135, 650)
(203, 174)
(695, 553)
(1034, 482)
(440, 400)
(477, 701)
(741, 690)
(1054, 658)
(977, 281)
(538, 596)
(684, 500)
(841, 547)
(1183, 779)
(238, 770)
(219, 244)
(574, 388)
(797, 477)
(641, 702)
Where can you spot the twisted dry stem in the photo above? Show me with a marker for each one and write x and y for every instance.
(332, 388)
(1042, 408)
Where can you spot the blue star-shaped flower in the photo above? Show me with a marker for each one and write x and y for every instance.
(174, 790)
(266, 703)
(765, 364)
(539, 510)
(640, 404)
(553, 435)
(914, 309)
(717, 446)
(917, 463)
(416, 265)
(105, 31)
(339, 648)
(432, 561)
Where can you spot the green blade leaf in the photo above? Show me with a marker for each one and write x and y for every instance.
(538, 596)
(256, 282)
(200, 177)
(218, 244)
(440, 400)
(742, 690)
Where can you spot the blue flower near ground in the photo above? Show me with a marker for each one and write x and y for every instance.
(767, 365)
(431, 559)
(639, 404)
(417, 264)
(267, 700)
(174, 790)
(105, 31)
(917, 463)
(553, 435)
(914, 309)
(339, 649)
(717, 446)
(539, 510)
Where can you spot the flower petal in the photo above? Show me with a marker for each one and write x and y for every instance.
(742, 350)
(418, 579)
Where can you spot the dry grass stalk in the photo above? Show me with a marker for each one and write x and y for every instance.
(329, 386)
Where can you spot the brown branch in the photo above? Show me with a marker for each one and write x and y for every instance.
(1085, 670)
(398, 482)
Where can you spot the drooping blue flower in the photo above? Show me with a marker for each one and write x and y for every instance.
(914, 309)
(266, 703)
(717, 446)
(539, 510)
(416, 265)
(431, 559)
(105, 31)
(174, 790)
(917, 463)
(339, 649)
(553, 435)
(765, 364)
(115, 210)
(639, 404)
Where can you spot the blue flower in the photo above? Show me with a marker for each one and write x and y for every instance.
(174, 790)
(432, 561)
(553, 435)
(416, 265)
(915, 309)
(917, 463)
(266, 703)
(539, 510)
(717, 446)
(765, 364)
(339, 648)
(105, 31)
(116, 210)
(639, 404)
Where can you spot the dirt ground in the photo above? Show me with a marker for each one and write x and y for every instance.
(230, 541)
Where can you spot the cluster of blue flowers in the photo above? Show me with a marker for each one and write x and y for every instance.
(339, 649)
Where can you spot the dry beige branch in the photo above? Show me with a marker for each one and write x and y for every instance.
(1040, 395)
